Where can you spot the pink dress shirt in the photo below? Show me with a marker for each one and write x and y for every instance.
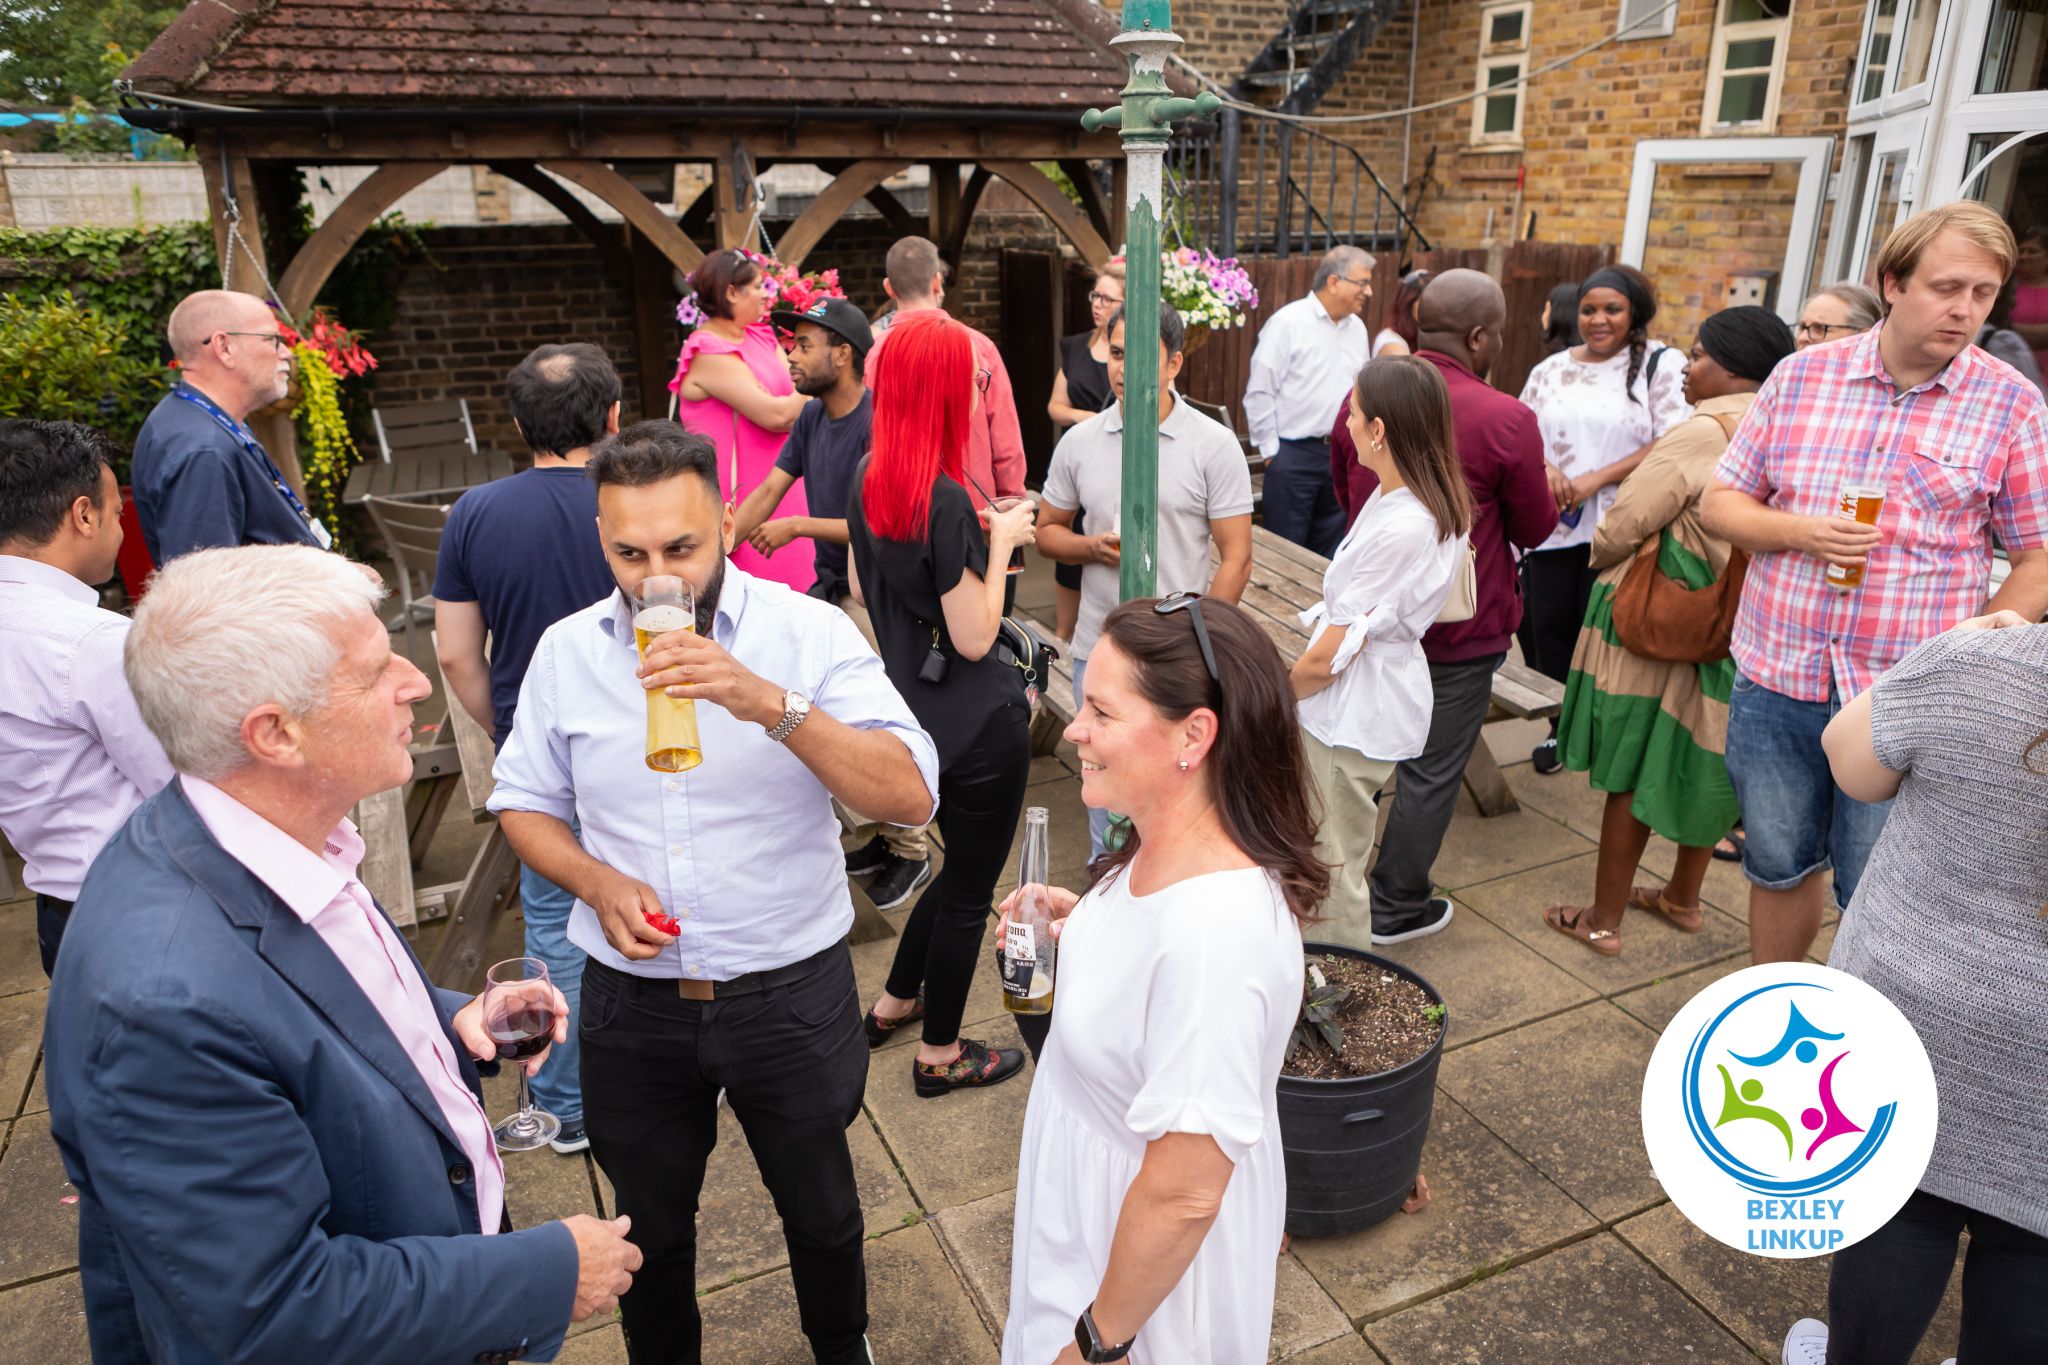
(995, 441)
(323, 891)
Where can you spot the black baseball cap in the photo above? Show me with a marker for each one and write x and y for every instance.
(837, 316)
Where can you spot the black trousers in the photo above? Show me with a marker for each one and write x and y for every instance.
(793, 1063)
(981, 796)
(1884, 1291)
(1299, 498)
(51, 917)
(1426, 793)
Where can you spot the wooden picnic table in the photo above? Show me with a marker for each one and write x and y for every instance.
(422, 475)
(1286, 579)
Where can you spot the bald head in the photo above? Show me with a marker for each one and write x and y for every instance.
(226, 347)
(1461, 314)
(204, 315)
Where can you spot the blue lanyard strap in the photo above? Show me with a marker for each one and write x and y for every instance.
(246, 441)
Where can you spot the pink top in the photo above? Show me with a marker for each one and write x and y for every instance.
(995, 442)
(1959, 457)
(2030, 308)
(323, 891)
(747, 452)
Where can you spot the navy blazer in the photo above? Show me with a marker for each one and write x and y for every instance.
(262, 1174)
(197, 487)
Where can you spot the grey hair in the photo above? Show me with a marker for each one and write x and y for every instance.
(224, 631)
(1173, 333)
(1863, 304)
(1339, 260)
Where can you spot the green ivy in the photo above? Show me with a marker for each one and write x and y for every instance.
(66, 363)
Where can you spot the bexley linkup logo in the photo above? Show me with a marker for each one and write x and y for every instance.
(1789, 1110)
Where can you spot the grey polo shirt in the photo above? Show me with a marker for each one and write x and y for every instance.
(1203, 477)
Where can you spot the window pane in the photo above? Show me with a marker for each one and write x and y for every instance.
(1749, 55)
(1884, 211)
(1743, 98)
(1918, 44)
(1505, 27)
(1849, 199)
(1753, 11)
(2015, 49)
(1883, 15)
(1500, 114)
(1501, 75)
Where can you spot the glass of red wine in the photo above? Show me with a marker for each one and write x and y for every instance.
(519, 1014)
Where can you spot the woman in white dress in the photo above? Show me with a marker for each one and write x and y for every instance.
(1364, 685)
(1600, 405)
(1398, 336)
(1151, 1192)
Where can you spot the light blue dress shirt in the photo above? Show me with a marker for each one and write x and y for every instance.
(743, 849)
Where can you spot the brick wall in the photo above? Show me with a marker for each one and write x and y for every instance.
(489, 295)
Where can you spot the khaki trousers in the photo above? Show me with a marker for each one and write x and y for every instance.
(1348, 781)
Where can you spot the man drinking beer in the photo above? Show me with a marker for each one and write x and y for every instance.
(748, 987)
(1867, 480)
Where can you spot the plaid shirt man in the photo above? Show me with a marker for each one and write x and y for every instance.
(1959, 456)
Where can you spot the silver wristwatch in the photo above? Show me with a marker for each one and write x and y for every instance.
(795, 706)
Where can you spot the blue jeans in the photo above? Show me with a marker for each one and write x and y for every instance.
(1098, 820)
(558, 1086)
(1796, 821)
(1299, 502)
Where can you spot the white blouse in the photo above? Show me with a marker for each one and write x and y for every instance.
(1384, 588)
(1588, 421)
(1382, 338)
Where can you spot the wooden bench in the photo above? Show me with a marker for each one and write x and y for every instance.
(1287, 579)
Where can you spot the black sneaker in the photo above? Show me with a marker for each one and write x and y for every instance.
(1434, 920)
(978, 1064)
(871, 856)
(1543, 758)
(898, 881)
(571, 1139)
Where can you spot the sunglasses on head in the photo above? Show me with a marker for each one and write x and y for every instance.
(1191, 603)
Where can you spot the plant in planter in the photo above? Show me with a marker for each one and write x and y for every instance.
(325, 354)
(1210, 293)
(1357, 1090)
(788, 288)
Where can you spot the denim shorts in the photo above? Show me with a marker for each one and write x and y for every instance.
(1795, 820)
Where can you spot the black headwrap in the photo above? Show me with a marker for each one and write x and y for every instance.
(1748, 342)
(1642, 306)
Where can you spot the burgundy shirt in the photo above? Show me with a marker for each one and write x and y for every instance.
(1502, 455)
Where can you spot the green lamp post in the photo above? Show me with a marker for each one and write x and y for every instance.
(1145, 119)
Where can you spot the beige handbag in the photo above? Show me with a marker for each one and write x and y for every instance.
(1463, 603)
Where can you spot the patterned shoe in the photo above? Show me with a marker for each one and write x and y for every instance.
(881, 1030)
(978, 1064)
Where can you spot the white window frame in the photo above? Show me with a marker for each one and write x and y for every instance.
(1813, 154)
(1902, 138)
(1890, 100)
(1663, 26)
(1501, 54)
(1779, 31)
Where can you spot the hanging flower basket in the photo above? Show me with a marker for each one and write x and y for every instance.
(787, 288)
(1211, 293)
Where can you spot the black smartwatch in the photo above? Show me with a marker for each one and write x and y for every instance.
(1093, 1348)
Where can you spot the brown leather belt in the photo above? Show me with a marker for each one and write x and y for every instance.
(689, 988)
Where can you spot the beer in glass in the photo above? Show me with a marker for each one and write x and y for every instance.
(1858, 502)
(667, 603)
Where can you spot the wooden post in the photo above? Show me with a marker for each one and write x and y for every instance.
(734, 198)
(654, 322)
(945, 200)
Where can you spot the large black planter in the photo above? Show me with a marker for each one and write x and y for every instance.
(1353, 1146)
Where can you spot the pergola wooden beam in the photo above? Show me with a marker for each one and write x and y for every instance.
(705, 142)
(954, 245)
(366, 203)
(1049, 199)
(601, 235)
(847, 188)
(635, 207)
(1092, 202)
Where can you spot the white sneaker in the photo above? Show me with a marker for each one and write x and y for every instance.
(1806, 1343)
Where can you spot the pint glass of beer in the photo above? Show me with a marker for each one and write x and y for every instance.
(1858, 502)
(667, 604)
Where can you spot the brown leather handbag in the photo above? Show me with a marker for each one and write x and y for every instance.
(1661, 619)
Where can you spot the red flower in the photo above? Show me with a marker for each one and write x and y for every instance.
(664, 922)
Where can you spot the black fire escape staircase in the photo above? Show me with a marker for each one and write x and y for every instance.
(1304, 191)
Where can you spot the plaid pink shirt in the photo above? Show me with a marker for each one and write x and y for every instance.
(1960, 456)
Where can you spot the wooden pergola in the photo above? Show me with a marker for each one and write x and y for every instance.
(555, 93)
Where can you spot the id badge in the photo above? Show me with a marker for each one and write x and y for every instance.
(320, 533)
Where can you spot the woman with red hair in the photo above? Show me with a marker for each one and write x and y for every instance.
(928, 563)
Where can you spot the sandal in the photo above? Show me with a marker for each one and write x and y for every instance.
(1686, 919)
(1729, 850)
(881, 1029)
(1606, 942)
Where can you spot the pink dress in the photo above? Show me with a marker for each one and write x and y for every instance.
(741, 470)
(2030, 305)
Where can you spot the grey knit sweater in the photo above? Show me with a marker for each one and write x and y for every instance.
(1947, 922)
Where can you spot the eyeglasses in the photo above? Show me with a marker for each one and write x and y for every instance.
(1098, 297)
(1818, 331)
(982, 379)
(1365, 283)
(274, 338)
(1191, 603)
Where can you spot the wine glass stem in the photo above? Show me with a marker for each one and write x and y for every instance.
(524, 1118)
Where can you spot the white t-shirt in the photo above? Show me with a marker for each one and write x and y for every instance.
(1588, 421)
(1173, 1016)
(1383, 589)
(1203, 477)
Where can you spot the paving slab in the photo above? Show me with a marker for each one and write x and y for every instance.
(38, 1101)
(1304, 1317)
(1477, 850)
(977, 1238)
(1490, 980)
(1566, 797)
(917, 1312)
(604, 1346)
(1050, 768)
(1725, 888)
(1349, 1349)
(1657, 1003)
(959, 1147)
(45, 1323)
(21, 1038)
(1566, 1095)
(1650, 947)
(42, 1230)
(1757, 1297)
(1593, 1301)
(21, 968)
(1488, 1206)
(1511, 740)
